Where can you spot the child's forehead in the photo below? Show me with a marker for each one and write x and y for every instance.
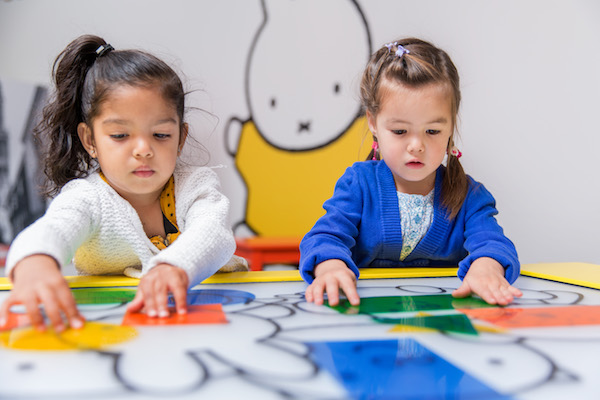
(394, 96)
(125, 98)
(391, 88)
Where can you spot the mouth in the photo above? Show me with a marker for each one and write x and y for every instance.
(415, 164)
(143, 172)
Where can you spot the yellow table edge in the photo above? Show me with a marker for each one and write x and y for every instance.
(581, 274)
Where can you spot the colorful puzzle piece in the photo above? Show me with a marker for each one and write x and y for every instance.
(538, 317)
(93, 335)
(458, 323)
(216, 296)
(396, 369)
(103, 295)
(387, 304)
(202, 314)
(15, 320)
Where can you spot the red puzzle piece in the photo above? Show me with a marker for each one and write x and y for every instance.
(201, 314)
(15, 321)
(537, 317)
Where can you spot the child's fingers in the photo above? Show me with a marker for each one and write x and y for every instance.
(137, 303)
(52, 309)
(348, 286)
(308, 295)
(5, 309)
(180, 298)
(33, 312)
(69, 308)
(317, 292)
(149, 301)
(161, 299)
(463, 290)
(333, 292)
(515, 292)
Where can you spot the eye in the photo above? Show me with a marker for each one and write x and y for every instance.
(118, 136)
(273, 102)
(399, 131)
(162, 135)
(433, 131)
(337, 88)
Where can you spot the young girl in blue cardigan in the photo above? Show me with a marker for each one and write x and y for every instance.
(404, 208)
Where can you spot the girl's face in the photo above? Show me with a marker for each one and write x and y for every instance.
(413, 127)
(136, 139)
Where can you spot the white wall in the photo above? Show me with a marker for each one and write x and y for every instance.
(530, 75)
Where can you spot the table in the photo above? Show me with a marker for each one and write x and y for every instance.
(252, 335)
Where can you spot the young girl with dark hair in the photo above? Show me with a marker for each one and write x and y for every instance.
(404, 208)
(124, 203)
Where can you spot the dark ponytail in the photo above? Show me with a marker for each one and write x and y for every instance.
(64, 155)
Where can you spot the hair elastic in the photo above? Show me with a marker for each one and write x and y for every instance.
(401, 51)
(455, 152)
(103, 49)
(375, 148)
(390, 45)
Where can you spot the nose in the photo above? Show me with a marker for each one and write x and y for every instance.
(416, 145)
(142, 148)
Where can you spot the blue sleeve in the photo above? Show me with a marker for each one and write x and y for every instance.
(484, 237)
(334, 234)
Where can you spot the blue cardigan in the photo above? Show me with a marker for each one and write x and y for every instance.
(361, 227)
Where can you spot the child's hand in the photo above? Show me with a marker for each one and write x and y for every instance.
(37, 280)
(153, 291)
(485, 278)
(330, 277)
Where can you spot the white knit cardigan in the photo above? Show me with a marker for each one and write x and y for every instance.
(90, 224)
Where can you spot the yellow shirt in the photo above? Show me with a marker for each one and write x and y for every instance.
(167, 206)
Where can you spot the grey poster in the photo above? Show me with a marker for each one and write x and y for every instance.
(20, 170)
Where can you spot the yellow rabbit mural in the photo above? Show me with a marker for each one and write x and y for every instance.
(305, 126)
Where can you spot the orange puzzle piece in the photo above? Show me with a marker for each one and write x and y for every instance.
(537, 317)
(201, 314)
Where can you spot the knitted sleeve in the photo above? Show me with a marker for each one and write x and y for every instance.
(484, 237)
(69, 220)
(206, 241)
(334, 234)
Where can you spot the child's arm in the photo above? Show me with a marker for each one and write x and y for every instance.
(330, 277)
(334, 235)
(37, 280)
(485, 278)
(492, 263)
(154, 289)
(205, 244)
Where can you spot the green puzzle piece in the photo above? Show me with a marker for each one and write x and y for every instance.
(103, 295)
(459, 323)
(386, 304)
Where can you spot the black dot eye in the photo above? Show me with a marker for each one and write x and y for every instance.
(336, 88)
(273, 102)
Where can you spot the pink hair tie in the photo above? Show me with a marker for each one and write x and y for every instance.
(455, 152)
(375, 149)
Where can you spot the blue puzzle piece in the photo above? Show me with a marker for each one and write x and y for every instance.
(396, 369)
(216, 296)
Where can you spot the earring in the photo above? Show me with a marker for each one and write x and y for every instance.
(93, 154)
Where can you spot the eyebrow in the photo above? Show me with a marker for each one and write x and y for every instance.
(440, 120)
(125, 122)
